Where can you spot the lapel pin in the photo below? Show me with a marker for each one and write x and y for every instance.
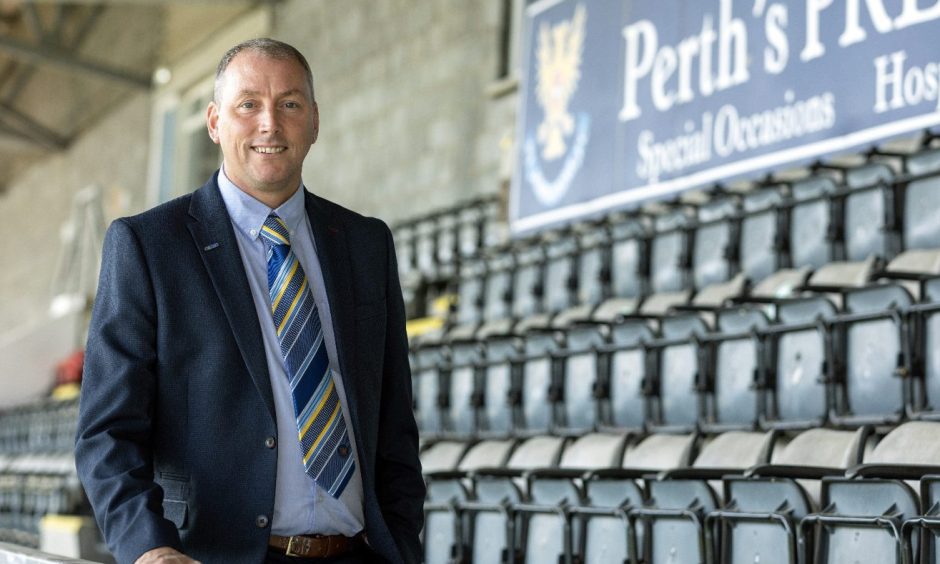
(210, 247)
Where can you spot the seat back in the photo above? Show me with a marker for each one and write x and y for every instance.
(872, 339)
(497, 292)
(465, 387)
(866, 206)
(713, 244)
(810, 229)
(798, 384)
(758, 252)
(471, 291)
(921, 202)
(628, 268)
(678, 403)
(623, 402)
(734, 398)
(669, 251)
(430, 388)
(528, 280)
(580, 375)
(594, 264)
(539, 383)
(499, 412)
(561, 273)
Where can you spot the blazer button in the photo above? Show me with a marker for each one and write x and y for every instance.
(261, 521)
(270, 442)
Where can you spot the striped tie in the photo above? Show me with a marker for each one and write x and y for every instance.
(321, 428)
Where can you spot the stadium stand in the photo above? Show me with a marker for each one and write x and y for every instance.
(755, 367)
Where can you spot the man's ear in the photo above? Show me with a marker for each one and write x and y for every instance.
(315, 114)
(212, 122)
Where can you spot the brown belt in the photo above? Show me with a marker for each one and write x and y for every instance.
(315, 546)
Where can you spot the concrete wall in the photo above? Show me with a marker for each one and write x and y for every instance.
(406, 123)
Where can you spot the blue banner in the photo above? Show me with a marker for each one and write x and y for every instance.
(623, 102)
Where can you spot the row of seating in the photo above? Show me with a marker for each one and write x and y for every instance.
(32, 486)
(882, 209)
(821, 495)
(39, 427)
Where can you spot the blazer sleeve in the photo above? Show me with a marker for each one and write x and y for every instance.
(399, 484)
(112, 449)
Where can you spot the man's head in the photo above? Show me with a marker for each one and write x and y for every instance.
(264, 117)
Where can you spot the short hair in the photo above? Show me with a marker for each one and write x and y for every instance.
(267, 47)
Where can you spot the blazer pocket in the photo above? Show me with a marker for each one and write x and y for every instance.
(175, 494)
(370, 309)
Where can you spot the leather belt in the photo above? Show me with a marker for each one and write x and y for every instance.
(314, 546)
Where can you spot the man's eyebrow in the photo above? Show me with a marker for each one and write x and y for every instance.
(291, 92)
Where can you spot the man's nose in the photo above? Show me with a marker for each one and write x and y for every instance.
(268, 121)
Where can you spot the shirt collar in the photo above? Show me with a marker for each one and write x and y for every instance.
(248, 214)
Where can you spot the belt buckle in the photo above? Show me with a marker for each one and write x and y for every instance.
(302, 546)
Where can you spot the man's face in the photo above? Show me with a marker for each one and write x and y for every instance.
(265, 122)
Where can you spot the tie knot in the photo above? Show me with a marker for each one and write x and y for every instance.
(275, 230)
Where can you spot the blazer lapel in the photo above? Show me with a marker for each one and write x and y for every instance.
(333, 254)
(212, 232)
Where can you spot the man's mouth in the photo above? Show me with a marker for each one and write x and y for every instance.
(269, 150)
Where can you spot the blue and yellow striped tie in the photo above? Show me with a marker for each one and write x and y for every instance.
(321, 428)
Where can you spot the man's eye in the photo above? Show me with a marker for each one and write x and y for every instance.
(291, 105)
(247, 105)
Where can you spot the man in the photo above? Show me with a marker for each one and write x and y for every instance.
(247, 395)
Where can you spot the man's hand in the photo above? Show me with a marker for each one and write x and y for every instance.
(165, 555)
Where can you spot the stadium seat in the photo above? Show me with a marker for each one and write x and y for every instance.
(539, 386)
(714, 240)
(759, 519)
(679, 500)
(862, 514)
(810, 227)
(760, 239)
(581, 365)
(501, 397)
(623, 388)
(464, 394)
(868, 216)
(677, 401)
(430, 388)
(871, 352)
(669, 250)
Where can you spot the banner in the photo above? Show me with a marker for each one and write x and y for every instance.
(623, 102)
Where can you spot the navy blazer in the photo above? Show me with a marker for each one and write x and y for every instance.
(175, 434)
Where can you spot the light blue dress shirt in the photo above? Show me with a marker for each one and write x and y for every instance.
(300, 505)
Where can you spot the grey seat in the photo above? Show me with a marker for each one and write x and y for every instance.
(465, 390)
(500, 398)
(669, 251)
(714, 244)
(539, 389)
(592, 280)
(430, 388)
(581, 364)
(550, 530)
(677, 403)
(810, 228)
(489, 517)
(925, 399)
(921, 230)
(629, 267)
(734, 396)
(759, 251)
(868, 212)
(624, 387)
(446, 534)
(798, 380)
(862, 514)
(871, 336)
(673, 517)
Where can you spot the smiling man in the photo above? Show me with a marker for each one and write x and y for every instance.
(247, 396)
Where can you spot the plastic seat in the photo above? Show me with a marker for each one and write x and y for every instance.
(868, 212)
(669, 251)
(580, 367)
(673, 516)
(549, 529)
(464, 394)
(714, 242)
(925, 400)
(862, 514)
(498, 413)
(528, 280)
(810, 228)
(735, 360)
(921, 201)
(677, 402)
(624, 387)
(430, 388)
(873, 384)
(593, 273)
(539, 387)
(470, 293)
(445, 534)
(759, 519)
(561, 272)
(489, 516)
(759, 251)
(799, 375)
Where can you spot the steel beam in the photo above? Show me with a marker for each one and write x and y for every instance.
(42, 54)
